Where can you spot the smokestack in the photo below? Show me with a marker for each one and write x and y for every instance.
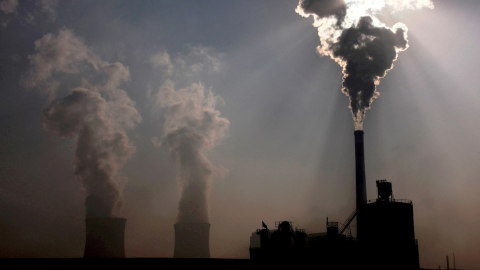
(192, 240)
(105, 238)
(360, 169)
(361, 191)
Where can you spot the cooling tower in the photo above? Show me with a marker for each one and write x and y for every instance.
(361, 191)
(192, 240)
(105, 238)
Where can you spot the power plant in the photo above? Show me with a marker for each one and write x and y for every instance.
(385, 232)
(105, 238)
(385, 235)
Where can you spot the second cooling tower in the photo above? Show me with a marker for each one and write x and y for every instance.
(192, 240)
(105, 238)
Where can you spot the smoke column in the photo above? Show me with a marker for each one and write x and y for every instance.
(362, 45)
(100, 149)
(9, 6)
(192, 127)
(95, 116)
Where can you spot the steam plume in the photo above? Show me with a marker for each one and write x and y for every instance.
(96, 122)
(9, 6)
(362, 45)
(192, 127)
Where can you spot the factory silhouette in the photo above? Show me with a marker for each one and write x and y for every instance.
(385, 232)
(385, 235)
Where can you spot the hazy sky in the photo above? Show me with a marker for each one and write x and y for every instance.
(286, 149)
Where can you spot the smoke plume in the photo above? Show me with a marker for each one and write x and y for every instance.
(95, 115)
(9, 6)
(362, 45)
(192, 127)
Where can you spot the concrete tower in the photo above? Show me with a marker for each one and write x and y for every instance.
(105, 238)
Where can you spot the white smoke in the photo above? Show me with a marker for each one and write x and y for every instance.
(162, 59)
(359, 42)
(96, 115)
(192, 127)
(9, 6)
(20, 11)
(48, 7)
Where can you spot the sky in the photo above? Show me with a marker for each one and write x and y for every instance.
(276, 131)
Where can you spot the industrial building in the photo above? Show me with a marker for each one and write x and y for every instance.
(385, 237)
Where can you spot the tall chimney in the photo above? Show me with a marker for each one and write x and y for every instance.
(361, 191)
(105, 238)
(192, 240)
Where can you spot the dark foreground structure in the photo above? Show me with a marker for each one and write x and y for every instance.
(389, 230)
(192, 240)
(105, 238)
(385, 232)
(388, 239)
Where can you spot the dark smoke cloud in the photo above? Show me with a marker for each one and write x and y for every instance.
(364, 47)
(368, 53)
(325, 8)
(96, 122)
(192, 127)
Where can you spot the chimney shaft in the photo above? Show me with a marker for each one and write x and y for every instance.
(361, 191)
(105, 238)
(192, 240)
(360, 169)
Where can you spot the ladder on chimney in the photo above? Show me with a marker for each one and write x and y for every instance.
(346, 224)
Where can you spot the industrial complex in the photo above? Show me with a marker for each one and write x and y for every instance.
(385, 235)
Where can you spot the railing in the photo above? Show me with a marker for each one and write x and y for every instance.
(277, 223)
(391, 200)
(347, 222)
(332, 224)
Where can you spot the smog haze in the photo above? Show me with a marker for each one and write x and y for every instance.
(226, 112)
